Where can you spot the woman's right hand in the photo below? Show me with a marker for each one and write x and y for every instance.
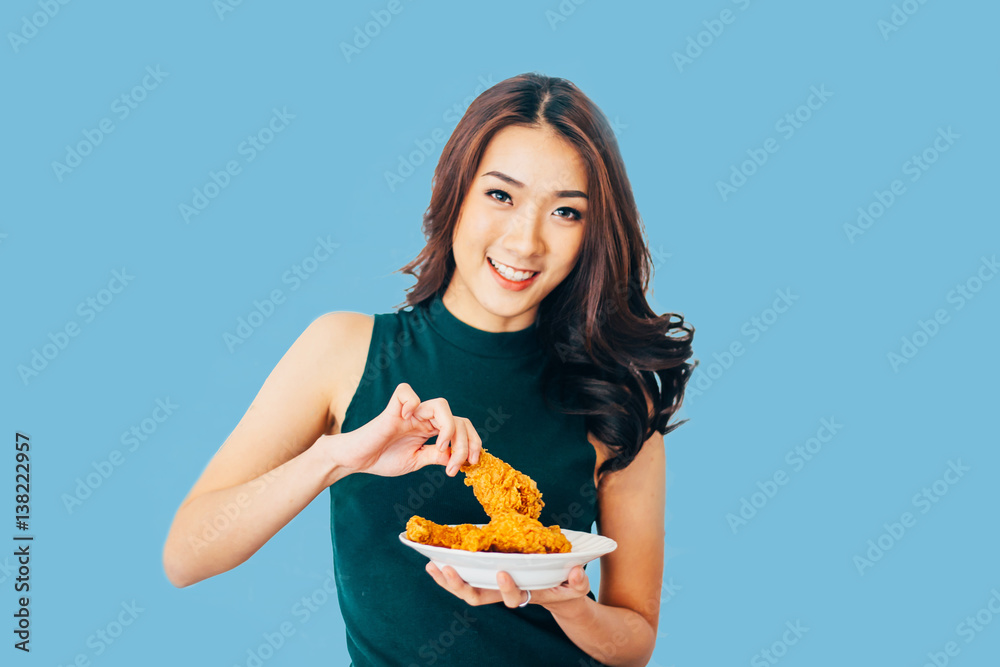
(391, 444)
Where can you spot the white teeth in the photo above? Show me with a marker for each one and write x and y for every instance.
(509, 273)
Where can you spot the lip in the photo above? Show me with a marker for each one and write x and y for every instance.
(511, 285)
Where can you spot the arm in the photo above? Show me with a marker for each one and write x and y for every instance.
(286, 450)
(277, 459)
(620, 629)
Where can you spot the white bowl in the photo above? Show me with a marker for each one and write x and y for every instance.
(530, 571)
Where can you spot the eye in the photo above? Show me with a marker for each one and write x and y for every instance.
(490, 193)
(576, 215)
(502, 197)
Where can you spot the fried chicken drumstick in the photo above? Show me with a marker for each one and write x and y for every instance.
(498, 487)
(513, 503)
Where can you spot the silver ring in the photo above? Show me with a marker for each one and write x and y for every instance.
(525, 603)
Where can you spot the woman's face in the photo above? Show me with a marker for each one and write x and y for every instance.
(520, 229)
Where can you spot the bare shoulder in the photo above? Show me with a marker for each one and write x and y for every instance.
(344, 337)
(296, 404)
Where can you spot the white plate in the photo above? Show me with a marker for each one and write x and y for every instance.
(530, 571)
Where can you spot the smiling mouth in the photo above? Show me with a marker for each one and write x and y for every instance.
(510, 273)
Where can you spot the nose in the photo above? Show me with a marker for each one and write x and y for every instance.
(523, 237)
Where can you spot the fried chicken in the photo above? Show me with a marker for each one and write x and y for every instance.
(499, 487)
(513, 503)
(510, 532)
(466, 536)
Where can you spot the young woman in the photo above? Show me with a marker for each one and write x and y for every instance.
(527, 331)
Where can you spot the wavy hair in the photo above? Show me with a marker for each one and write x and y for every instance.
(606, 346)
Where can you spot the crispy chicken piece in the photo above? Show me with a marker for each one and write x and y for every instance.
(511, 532)
(466, 536)
(512, 501)
(499, 487)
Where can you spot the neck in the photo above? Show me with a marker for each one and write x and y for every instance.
(461, 303)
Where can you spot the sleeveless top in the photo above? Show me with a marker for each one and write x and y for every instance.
(395, 614)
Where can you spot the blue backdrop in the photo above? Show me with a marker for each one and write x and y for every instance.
(817, 182)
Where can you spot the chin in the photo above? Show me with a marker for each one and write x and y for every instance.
(513, 305)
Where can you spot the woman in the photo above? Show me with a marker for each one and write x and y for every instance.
(528, 331)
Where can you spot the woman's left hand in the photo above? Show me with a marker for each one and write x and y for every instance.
(576, 586)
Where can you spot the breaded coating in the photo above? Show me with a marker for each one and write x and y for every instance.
(498, 487)
(466, 536)
(513, 503)
(511, 532)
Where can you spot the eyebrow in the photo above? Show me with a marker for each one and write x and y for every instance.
(513, 181)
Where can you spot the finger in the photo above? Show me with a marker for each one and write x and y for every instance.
(578, 579)
(475, 443)
(461, 588)
(431, 455)
(445, 423)
(407, 398)
(512, 595)
(438, 413)
(459, 448)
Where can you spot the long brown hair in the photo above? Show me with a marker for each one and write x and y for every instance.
(606, 346)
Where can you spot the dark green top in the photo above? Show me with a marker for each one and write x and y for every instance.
(396, 616)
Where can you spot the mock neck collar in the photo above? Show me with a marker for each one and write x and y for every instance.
(482, 343)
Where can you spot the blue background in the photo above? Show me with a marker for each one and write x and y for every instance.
(721, 261)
